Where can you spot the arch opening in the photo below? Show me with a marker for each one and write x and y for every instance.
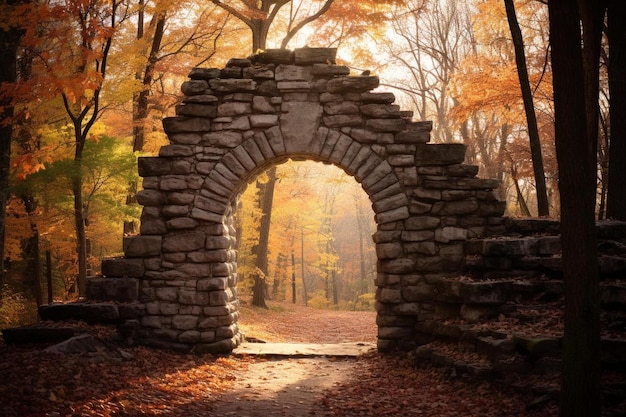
(321, 253)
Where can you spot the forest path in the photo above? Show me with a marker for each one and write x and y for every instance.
(308, 352)
(282, 386)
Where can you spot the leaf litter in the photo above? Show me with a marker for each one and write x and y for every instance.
(160, 383)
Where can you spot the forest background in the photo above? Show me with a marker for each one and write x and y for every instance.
(94, 78)
(523, 84)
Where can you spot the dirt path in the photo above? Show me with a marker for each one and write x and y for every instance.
(282, 387)
(292, 386)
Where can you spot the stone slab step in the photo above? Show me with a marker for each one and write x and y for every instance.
(351, 349)
(37, 334)
(122, 290)
(91, 312)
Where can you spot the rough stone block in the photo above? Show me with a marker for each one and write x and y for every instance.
(390, 203)
(184, 242)
(142, 246)
(440, 154)
(204, 73)
(298, 124)
(182, 124)
(292, 73)
(166, 294)
(153, 166)
(447, 234)
(497, 292)
(189, 336)
(397, 266)
(184, 322)
(226, 332)
(232, 85)
(448, 208)
(196, 110)
(122, 267)
(539, 346)
(381, 111)
(194, 87)
(153, 322)
(418, 292)
(411, 136)
(212, 284)
(422, 223)
(386, 125)
(186, 296)
(394, 215)
(225, 346)
(234, 109)
(348, 84)
(263, 120)
(308, 56)
(550, 245)
(394, 332)
(123, 290)
(389, 250)
(341, 107)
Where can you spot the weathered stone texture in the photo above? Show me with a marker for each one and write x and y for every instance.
(254, 113)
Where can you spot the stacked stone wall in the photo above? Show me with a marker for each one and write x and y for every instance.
(235, 122)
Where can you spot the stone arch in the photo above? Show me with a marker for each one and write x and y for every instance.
(236, 121)
(254, 155)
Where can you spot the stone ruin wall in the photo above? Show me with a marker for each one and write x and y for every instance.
(178, 277)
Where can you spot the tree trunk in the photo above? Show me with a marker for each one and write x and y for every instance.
(293, 277)
(543, 208)
(266, 198)
(49, 276)
(140, 107)
(616, 197)
(335, 287)
(31, 251)
(305, 294)
(81, 236)
(141, 101)
(9, 42)
(360, 219)
(576, 155)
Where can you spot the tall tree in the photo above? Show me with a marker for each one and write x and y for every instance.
(260, 15)
(266, 193)
(576, 153)
(616, 197)
(140, 101)
(432, 39)
(10, 35)
(95, 22)
(543, 208)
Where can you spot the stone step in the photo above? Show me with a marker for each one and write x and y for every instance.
(122, 290)
(528, 226)
(92, 312)
(611, 230)
(500, 266)
(538, 379)
(37, 334)
(494, 347)
(476, 299)
(514, 246)
(462, 290)
(122, 267)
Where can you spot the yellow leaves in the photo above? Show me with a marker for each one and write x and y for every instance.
(17, 229)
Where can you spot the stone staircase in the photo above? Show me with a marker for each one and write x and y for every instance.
(503, 318)
(112, 299)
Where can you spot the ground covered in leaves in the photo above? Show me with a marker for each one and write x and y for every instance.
(158, 383)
